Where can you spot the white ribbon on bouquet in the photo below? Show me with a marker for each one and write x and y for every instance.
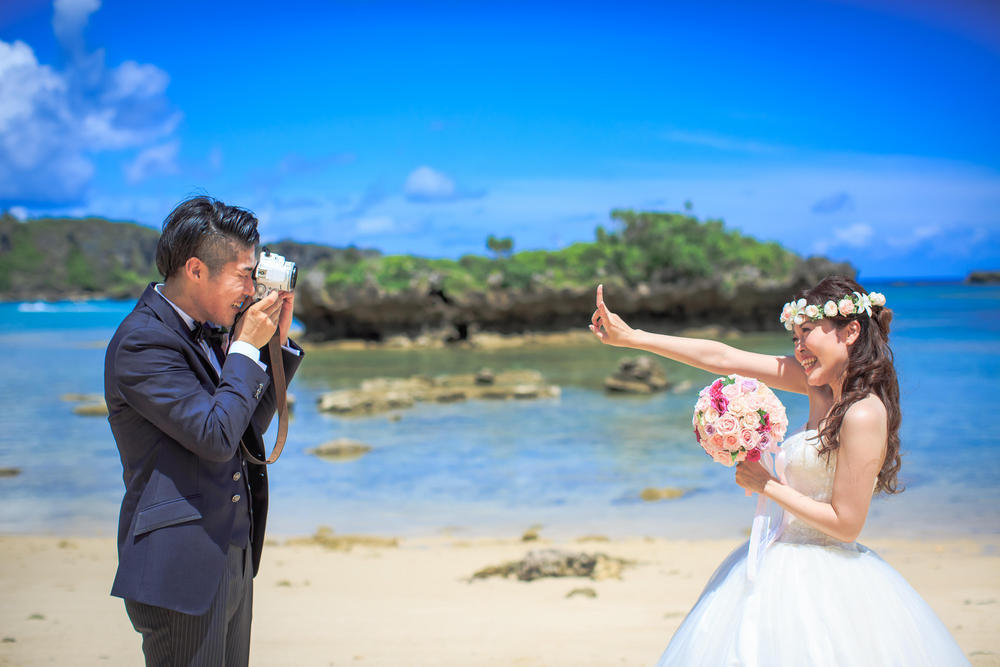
(766, 528)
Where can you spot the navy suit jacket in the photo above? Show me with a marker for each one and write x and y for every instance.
(178, 427)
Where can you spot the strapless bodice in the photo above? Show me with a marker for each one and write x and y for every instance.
(810, 473)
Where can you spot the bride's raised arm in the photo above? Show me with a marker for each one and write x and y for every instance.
(713, 356)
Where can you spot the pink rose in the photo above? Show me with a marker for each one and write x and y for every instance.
(731, 391)
(750, 421)
(731, 442)
(753, 454)
(727, 424)
(846, 307)
(716, 441)
(723, 457)
(749, 439)
(736, 405)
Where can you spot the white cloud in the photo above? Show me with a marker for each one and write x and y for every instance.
(19, 212)
(375, 225)
(153, 161)
(718, 141)
(52, 122)
(133, 80)
(426, 184)
(857, 235)
(69, 18)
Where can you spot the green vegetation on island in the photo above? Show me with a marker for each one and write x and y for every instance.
(663, 269)
(68, 258)
(646, 247)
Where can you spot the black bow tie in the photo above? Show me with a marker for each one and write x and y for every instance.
(211, 334)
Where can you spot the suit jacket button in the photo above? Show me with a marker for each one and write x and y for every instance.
(236, 476)
(236, 498)
(258, 391)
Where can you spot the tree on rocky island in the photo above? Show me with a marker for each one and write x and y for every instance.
(500, 247)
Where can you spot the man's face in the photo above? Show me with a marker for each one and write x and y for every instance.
(225, 290)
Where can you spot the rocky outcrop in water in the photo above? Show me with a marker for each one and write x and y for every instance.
(384, 394)
(637, 375)
(661, 271)
(340, 450)
(747, 300)
(983, 278)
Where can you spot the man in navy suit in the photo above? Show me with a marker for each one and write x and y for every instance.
(192, 520)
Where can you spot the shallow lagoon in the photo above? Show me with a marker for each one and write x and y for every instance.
(575, 464)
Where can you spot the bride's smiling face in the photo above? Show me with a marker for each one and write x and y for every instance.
(822, 349)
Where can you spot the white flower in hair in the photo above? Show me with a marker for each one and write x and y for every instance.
(864, 304)
(798, 312)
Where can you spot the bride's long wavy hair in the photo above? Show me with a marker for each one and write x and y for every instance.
(870, 370)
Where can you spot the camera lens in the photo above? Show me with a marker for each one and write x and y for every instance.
(291, 279)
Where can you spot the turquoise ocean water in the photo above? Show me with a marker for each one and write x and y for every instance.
(575, 464)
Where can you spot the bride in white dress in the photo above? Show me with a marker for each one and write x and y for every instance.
(818, 597)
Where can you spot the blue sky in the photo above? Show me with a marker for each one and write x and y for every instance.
(864, 130)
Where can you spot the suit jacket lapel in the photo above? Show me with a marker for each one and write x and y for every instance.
(166, 314)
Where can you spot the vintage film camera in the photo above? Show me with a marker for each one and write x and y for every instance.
(273, 272)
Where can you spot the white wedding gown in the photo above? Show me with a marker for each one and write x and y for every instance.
(814, 600)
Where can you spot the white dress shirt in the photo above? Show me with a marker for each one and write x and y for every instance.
(235, 347)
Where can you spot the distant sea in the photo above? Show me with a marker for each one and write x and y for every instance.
(574, 465)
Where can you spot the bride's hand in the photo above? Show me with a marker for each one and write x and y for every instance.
(607, 326)
(752, 476)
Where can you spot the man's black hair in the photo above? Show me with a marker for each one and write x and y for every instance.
(205, 228)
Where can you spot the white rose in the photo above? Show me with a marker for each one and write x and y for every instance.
(877, 298)
(846, 306)
(830, 309)
(812, 312)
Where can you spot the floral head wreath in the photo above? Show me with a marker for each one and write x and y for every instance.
(799, 312)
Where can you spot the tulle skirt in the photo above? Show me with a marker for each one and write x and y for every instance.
(811, 605)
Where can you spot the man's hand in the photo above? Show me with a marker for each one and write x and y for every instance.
(607, 326)
(260, 320)
(285, 319)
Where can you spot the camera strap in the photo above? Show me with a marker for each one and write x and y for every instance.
(278, 378)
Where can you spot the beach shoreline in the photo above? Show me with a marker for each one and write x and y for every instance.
(416, 602)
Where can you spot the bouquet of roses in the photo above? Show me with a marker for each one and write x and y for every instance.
(738, 418)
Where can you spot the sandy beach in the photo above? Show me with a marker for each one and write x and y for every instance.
(416, 603)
